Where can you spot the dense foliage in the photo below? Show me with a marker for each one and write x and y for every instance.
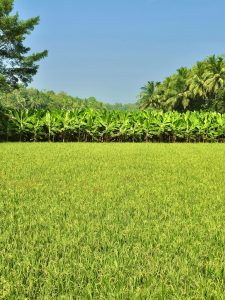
(17, 66)
(31, 98)
(88, 125)
(200, 88)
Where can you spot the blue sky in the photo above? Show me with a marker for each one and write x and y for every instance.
(110, 48)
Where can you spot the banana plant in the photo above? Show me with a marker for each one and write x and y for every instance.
(19, 121)
(88, 125)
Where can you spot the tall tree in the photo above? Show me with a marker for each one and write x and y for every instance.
(176, 94)
(215, 74)
(196, 80)
(147, 97)
(17, 66)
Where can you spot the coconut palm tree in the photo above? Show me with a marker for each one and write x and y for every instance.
(215, 74)
(176, 95)
(196, 80)
(147, 97)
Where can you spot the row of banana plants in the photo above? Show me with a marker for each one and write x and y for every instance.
(88, 125)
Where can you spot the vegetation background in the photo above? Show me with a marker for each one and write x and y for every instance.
(110, 221)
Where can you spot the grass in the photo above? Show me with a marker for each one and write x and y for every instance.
(112, 221)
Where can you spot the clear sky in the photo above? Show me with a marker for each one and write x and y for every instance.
(110, 48)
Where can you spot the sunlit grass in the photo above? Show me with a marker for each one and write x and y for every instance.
(112, 221)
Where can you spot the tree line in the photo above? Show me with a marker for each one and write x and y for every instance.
(201, 87)
(31, 98)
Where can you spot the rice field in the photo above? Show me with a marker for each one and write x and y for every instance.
(112, 221)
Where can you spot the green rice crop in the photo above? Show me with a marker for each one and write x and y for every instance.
(112, 221)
